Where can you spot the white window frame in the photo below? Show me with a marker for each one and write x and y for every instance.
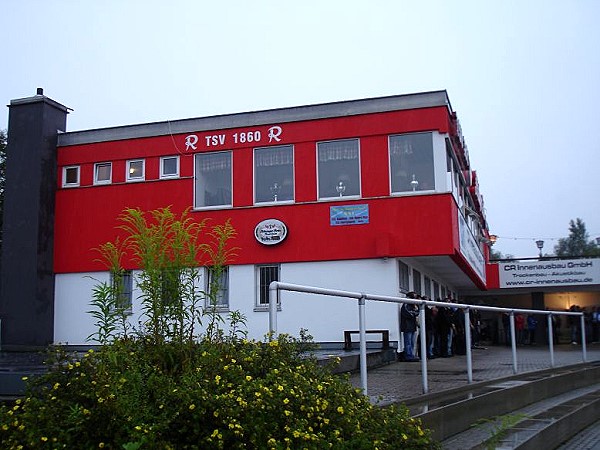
(96, 167)
(127, 293)
(128, 176)
(342, 196)
(403, 277)
(219, 206)
(262, 289)
(223, 291)
(417, 190)
(64, 176)
(162, 167)
(417, 281)
(274, 201)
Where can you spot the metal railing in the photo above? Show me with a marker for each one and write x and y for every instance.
(361, 297)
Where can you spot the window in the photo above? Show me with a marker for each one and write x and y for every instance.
(427, 286)
(170, 287)
(436, 291)
(217, 288)
(411, 162)
(169, 167)
(417, 282)
(70, 176)
(122, 285)
(135, 170)
(338, 168)
(265, 276)
(213, 179)
(274, 174)
(102, 173)
(403, 277)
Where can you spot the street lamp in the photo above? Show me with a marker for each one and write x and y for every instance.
(540, 246)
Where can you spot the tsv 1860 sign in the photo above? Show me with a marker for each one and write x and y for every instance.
(270, 232)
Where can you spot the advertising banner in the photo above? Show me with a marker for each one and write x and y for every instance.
(561, 272)
(348, 215)
(469, 248)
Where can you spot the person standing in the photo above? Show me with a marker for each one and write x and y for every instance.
(531, 327)
(408, 324)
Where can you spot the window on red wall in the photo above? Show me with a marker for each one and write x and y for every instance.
(102, 173)
(274, 174)
(70, 176)
(411, 162)
(338, 169)
(213, 180)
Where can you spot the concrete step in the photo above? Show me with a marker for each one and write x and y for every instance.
(453, 412)
(542, 425)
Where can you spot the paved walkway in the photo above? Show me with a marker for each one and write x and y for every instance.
(402, 380)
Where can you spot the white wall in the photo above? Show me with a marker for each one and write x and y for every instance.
(324, 317)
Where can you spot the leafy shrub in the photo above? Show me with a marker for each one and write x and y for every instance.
(233, 394)
(168, 385)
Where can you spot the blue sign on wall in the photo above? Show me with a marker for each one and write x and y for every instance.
(348, 215)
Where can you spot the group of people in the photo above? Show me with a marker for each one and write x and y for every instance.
(591, 321)
(444, 329)
(525, 328)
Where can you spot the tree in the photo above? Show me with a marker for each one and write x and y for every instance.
(578, 243)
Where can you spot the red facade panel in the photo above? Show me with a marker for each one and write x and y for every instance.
(401, 226)
(417, 225)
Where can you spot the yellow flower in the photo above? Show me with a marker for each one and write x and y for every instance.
(217, 378)
(279, 387)
(286, 401)
(248, 378)
(273, 344)
(101, 445)
(287, 413)
(340, 410)
(56, 386)
(192, 407)
(44, 438)
(24, 378)
(404, 436)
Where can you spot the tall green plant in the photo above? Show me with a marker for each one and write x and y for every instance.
(109, 310)
(168, 250)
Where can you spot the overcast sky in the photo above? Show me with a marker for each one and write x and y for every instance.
(523, 77)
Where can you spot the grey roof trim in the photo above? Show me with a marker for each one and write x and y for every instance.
(37, 99)
(256, 118)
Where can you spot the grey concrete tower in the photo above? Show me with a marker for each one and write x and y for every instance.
(27, 275)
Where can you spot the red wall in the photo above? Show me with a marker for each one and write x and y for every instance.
(86, 216)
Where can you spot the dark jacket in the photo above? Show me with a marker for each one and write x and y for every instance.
(408, 317)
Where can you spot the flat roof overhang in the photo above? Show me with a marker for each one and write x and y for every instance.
(254, 118)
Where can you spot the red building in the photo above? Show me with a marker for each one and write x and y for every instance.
(375, 195)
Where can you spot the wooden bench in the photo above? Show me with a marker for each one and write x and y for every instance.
(385, 337)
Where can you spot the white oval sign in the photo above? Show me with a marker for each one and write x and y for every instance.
(270, 232)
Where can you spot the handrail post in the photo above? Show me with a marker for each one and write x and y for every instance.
(363, 344)
(583, 344)
(551, 339)
(513, 341)
(468, 345)
(423, 342)
(273, 291)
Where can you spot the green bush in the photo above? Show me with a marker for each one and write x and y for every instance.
(233, 394)
(168, 384)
